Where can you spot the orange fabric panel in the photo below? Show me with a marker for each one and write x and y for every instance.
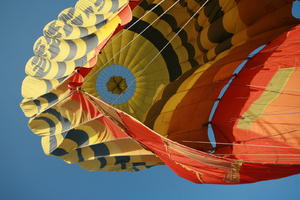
(261, 109)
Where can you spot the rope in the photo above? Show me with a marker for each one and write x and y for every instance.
(277, 90)
(237, 144)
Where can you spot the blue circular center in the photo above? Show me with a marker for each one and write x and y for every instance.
(105, 75)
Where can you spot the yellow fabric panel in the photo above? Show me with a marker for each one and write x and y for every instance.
(49, 147)
(186, 66)
(211, 54)
(45, 144)
(91, 132)
(162, 122)
(205, 42)
(60, 30)
(73, 156)
(31, 107)
(40, 127)
(202, 19)
(110, 164)
(110, 151)
(96, 131)
(60, 50)
(104, 7)
(44, 68)
(283, 112)
(55, 29)
(47, 69)
(63, 115)
(120, 147)
(78, 15)
(33, 87)
(232, 12)
(272, 91)
(68, 145)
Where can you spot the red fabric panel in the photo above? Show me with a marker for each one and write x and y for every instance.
(125, 15)
(253, 172)
(86, 105)
(200, 167)
(184, 166)
(116, 131)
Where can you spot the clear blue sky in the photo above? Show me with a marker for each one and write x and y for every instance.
(26, 173)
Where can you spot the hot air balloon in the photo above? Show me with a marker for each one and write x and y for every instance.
(120, 85)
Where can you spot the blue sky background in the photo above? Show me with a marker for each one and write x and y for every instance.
(26, 173)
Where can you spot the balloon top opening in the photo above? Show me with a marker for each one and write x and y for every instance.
(116, 85)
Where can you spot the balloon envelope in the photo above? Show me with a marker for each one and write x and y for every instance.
(126, 85)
